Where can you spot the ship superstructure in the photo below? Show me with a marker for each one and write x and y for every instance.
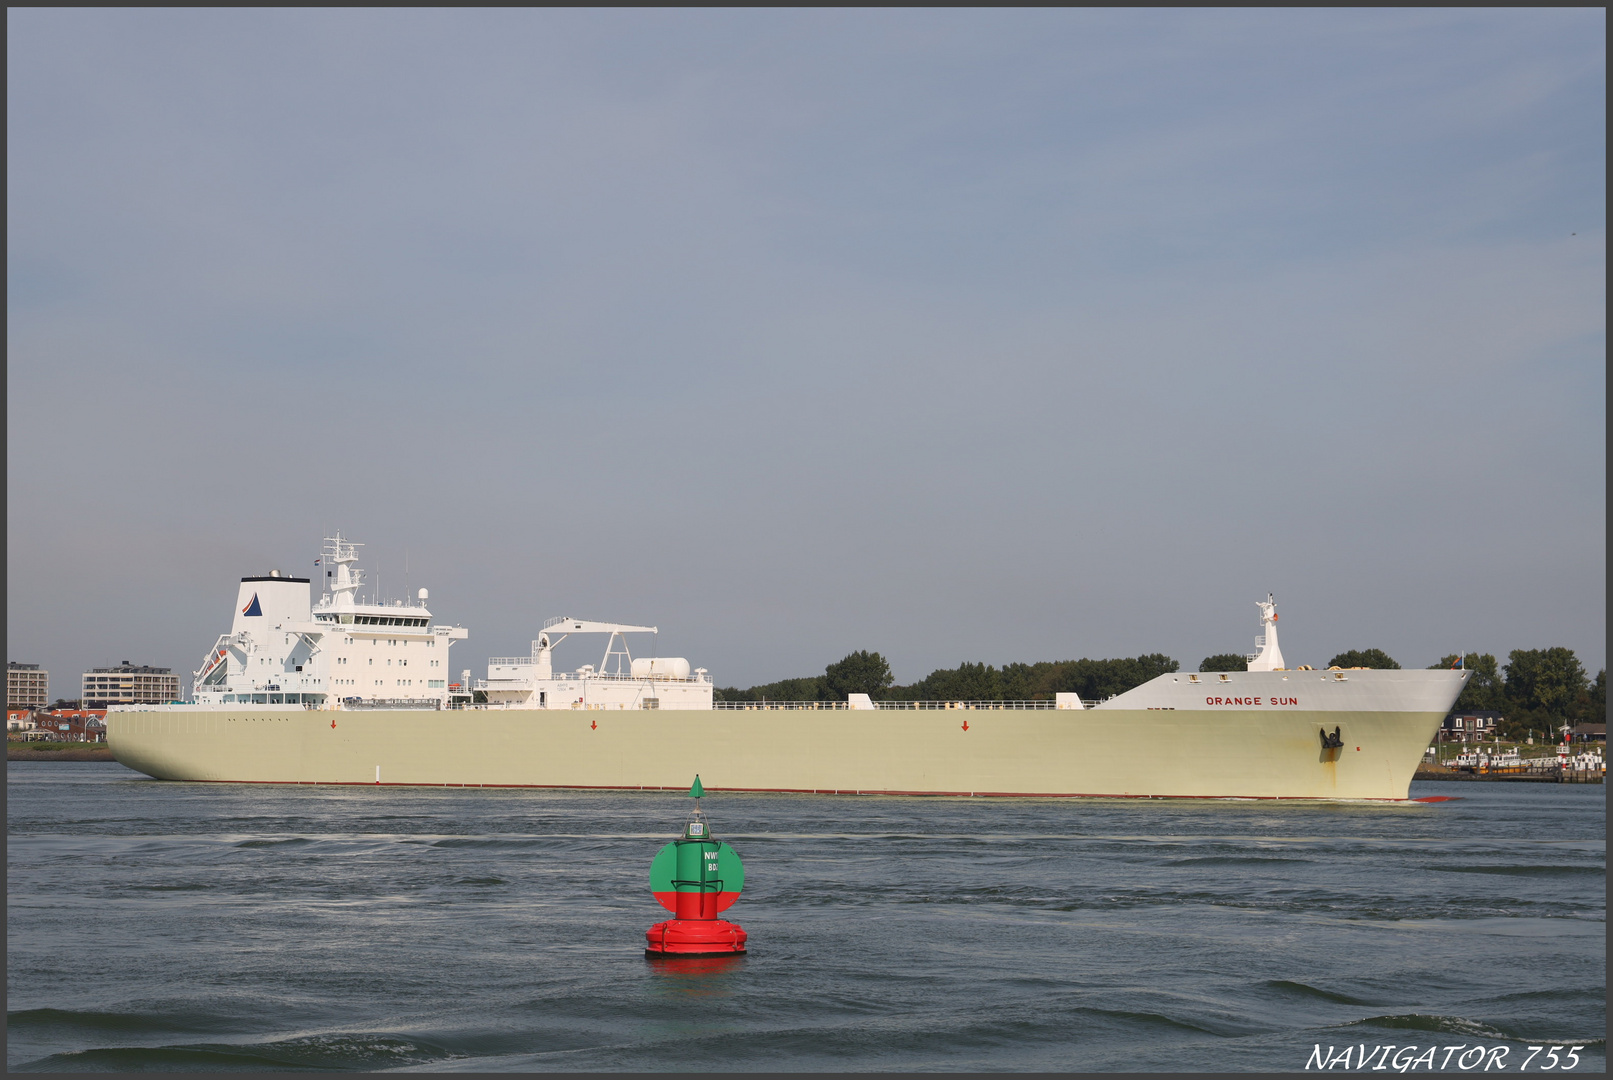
(619, 682)
(283, 649)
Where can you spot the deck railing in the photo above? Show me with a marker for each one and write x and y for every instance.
(572, 676)
(991, 705)
(799, 705)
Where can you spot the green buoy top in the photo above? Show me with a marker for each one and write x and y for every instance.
(697, 864)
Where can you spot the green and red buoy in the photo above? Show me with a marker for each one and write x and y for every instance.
(695, 877)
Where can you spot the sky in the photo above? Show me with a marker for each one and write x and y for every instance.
(952, 334)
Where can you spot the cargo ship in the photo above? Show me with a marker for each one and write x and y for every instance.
(341, 690)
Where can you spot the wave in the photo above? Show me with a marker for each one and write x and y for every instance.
(1450, 1025)
(1299, 989)
(1151, 1020)
(1527, 871)
(1456, 1025)
(36, 1019)
(1233, 860)
(317, 1052)
(1555, 994)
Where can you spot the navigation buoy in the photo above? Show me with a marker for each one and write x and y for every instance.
(695, 877)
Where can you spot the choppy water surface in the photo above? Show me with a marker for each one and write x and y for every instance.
(209, 926)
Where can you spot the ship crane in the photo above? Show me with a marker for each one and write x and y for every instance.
(543, 648)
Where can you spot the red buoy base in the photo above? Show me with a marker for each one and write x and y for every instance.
(695, 937)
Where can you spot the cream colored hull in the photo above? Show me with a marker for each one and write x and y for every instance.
(1094, 752)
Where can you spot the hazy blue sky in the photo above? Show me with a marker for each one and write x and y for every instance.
(952, 334)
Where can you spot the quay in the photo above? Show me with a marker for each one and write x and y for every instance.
(1511, 775)
(17, 750)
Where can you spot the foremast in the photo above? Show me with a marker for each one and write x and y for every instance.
(1267, 656)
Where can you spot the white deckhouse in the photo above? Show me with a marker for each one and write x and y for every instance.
(283, 649)
(620, 681)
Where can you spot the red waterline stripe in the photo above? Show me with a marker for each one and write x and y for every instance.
(839, 791)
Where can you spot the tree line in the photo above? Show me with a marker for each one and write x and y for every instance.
(1537, 689)
(869, 673)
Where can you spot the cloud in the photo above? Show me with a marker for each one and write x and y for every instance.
(952, 334)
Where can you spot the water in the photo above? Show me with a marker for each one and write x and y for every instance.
(175, 926)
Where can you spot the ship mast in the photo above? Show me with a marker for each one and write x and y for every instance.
(344, 553)
(1267, 656)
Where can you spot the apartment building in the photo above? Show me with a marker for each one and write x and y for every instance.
(128, 684)
(27, 686)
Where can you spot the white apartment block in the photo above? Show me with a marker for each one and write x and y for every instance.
(27, 687)
(129, 684)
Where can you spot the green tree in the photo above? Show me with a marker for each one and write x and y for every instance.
(1367, 658)
(861, 672)
(1224, 662)
(1024, 682)
(1517, 726)
(810, 688)
(1095, 680)
(1484, 690)
(1590, 704)
(966, 682)
(1546, 681)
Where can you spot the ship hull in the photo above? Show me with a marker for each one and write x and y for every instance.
(1103, 752)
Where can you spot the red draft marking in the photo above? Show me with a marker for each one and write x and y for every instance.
(595, 726)
(333, 723)
(966, 725)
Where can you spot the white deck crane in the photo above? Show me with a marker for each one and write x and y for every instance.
(564, 627)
